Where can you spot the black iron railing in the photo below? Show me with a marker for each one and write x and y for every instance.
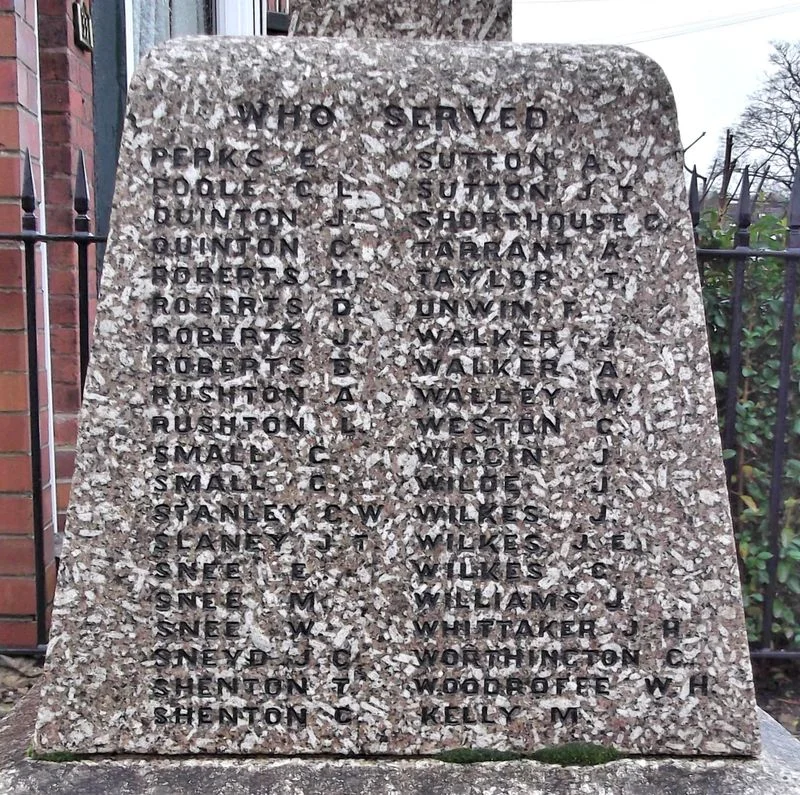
(739, 259)
(30, 237)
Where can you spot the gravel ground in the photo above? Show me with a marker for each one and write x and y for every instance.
(778, 692)
(17, 676)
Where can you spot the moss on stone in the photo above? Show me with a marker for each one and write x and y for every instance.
(51, 756)
(577, 754)
(564, 755)
(468, 756)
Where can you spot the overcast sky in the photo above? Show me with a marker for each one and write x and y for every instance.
(714, 53)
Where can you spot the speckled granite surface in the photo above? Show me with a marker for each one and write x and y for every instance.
(399, 433)
(776, 771)
(402, 19)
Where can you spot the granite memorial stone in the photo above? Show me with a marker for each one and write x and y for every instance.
(399, 434)
(403, 19)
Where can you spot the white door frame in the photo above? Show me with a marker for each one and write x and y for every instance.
(130, 62)
(235, 17)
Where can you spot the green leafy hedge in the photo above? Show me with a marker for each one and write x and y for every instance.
(755, 417)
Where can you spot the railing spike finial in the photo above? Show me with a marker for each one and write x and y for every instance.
(81, 200)
(794, 211)
(794, 200)
(28, 198)
(694, 199)
(81, 196)
(743, 215)
(743, 212)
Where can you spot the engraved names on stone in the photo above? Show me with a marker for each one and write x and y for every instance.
(422, 454)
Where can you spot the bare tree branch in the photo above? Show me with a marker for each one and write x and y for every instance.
(768, 132)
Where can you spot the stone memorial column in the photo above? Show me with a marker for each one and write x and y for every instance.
(399, 434)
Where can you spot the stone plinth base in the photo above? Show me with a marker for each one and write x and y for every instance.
(775, 772)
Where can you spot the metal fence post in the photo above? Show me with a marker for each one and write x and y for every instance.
(781, 413)
(29, 232)
(81, 226)
(742, 241)
(30, 236)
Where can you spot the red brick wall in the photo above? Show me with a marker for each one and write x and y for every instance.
(19, 129)
(67, 121)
